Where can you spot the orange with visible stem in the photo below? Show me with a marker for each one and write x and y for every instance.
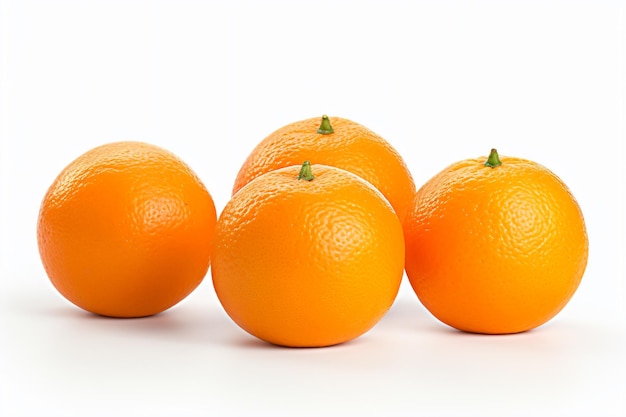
(307, 256)
(343, 144)
(495, 245)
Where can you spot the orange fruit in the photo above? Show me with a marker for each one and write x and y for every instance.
(495, 247)
(126, 230)
(307, 262)
(344, 144)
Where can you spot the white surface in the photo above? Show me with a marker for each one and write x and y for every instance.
(442, 81)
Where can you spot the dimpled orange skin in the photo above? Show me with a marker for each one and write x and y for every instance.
(126, 230)
(495, 250)
(307, 263)
(352, 147)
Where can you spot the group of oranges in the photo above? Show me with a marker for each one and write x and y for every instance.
(323, 222)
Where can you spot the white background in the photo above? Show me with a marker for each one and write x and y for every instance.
(440, 80)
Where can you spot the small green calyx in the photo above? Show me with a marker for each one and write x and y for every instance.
(325, 128)
(493, 160)
(305, 172)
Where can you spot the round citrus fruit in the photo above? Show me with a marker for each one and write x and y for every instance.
(307, 256)
(344, 144)
(126, 230)
(495, 245)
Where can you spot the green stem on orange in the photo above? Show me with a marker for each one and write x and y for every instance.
(325, 128)
(493, 160)
(305, 172)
